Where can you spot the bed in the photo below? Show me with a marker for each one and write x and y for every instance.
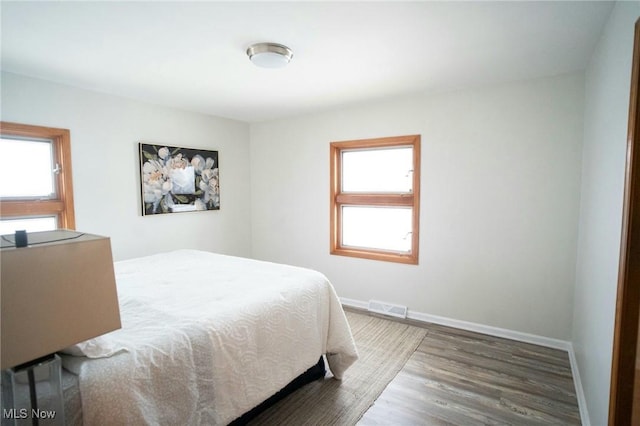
(205, 338)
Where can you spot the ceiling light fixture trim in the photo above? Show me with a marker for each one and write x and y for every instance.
(269, 55)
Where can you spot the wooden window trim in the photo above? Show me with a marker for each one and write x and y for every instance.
(338, 199)
(62, 206)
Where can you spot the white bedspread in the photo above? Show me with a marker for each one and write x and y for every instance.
(208, 337)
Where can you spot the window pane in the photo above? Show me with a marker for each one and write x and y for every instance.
(384, 228)
(377, 170)
(29, 224)
(26, 168)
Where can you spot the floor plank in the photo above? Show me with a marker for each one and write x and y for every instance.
(458, 377)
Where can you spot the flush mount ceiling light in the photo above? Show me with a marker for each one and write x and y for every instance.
(269, 55)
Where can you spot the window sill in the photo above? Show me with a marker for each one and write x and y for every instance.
(410, 258)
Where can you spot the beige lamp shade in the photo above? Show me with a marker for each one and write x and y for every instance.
(56, 292)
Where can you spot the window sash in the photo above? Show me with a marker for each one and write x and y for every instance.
(361, 228)
(62, 205)
(28, 223)
(27, 170)
(385, 170)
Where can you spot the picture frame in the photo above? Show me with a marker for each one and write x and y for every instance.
(177, 179)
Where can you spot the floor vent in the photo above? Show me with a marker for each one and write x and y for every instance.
(387, 309)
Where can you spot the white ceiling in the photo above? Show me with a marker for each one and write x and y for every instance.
(191, 55)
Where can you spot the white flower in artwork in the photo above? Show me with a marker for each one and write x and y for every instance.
(152, 170)
(166, 186)
(198, 163)
(176, 162)
(199, 204)
(209, 163)
(210, 187)
(155, 181)
(163, 152)
(152, 195)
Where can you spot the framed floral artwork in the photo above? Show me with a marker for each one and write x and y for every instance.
(175, 179)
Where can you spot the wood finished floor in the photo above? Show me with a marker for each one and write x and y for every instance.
(457, 377)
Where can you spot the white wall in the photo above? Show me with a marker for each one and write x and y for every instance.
(105, 131)
(605, 132)
(499, 208)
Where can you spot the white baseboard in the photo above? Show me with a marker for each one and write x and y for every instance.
(492, 331)
(354, 303)
(472, 326)
(505, 333)
(582, 401)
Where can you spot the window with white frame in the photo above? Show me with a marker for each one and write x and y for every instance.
(375, 198)
(36, 191)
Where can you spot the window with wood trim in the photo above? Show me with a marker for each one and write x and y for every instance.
(36, 190)
(375, 198)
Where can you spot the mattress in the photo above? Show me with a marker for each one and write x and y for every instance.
(206, 338)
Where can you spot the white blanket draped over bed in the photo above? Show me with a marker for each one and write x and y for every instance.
(206, 338)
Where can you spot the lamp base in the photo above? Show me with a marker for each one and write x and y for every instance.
(32, 393)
